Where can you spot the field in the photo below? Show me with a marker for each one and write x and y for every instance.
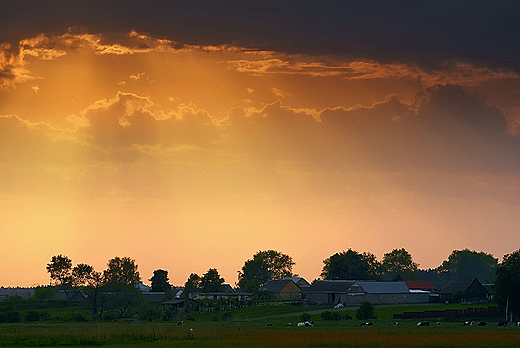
(247, 328)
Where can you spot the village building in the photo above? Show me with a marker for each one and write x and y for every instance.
(472, 290)
(328, 291)
(186, 304)
(285, 289)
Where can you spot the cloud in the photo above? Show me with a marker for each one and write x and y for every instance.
(129, 123)
(382, 31)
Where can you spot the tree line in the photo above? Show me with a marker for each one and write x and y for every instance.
(122, 273)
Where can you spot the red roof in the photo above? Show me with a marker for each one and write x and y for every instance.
(419, 285)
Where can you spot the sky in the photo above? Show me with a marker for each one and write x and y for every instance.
(190, 135)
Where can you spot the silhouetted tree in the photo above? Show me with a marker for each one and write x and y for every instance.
(122, 270)
(192, 284)
(265, 265)
(60, 271)
(160, 281)
(82, 275)
(211, 281)
(468, 264)
(507, 284)
(350, 265)
(398, 265)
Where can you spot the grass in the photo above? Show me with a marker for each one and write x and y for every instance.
(246, 327)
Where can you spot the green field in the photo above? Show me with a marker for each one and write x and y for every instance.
(246, 327)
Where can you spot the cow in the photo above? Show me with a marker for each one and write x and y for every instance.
(423, 323)
(438, 323)
(309, 323)
(301, 324)
(467, 323)
(367, 324)
(289, 324)
(396, 323)
(181, 322)
(269, 324)
(482, 323)
(502, 323)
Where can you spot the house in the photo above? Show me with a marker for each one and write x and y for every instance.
(328, 291)
(285, 289)
(471, 290)
(178, 304)
(377, 293)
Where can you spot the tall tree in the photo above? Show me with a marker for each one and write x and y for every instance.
(160, 281)
(122, 270)
(83, 275)
(265, 265)
(507, 284)
(192, 284)
(350, 265)
(398, 265)
(60, 271)
(468, 264)
(211, 281)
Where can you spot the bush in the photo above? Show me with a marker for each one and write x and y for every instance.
(365, 311)
(32, 316)
(328, 315)
(14, 317)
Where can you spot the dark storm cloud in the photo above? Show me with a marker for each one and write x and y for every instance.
(425, 32)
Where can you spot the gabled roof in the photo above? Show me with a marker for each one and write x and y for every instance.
(276, 285)
(462, 284)
(331, 286)
(419, 285)
(384, 287)
(297, 280)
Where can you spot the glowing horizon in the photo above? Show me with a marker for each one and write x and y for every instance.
(190, 157)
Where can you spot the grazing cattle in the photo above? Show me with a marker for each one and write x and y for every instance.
(269, 324)
(309, 323)
(467, 323)
(396, 323)
(502, 323)
(367, 324)
(423, 323)
(517, 323)
(438, 323)
(180, 322)
(300, 324)
(289, 324)
(482, 323)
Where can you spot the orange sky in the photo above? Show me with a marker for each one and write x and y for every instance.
(195, 157)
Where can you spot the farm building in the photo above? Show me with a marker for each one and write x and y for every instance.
(328, 291)
(177, 304)
(284, 289)
(378, 293)
(471, 289)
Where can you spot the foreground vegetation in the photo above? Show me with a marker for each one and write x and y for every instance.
(247, 327)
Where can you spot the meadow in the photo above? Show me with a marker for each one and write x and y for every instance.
(247, 328)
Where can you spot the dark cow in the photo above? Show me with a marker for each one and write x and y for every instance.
(502, 323)
(482, 323)
(269, 324)
(423, 323)
(367, 324)
(467, 323)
